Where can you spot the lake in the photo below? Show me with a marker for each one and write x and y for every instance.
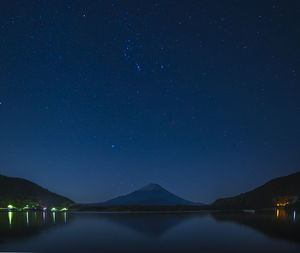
(150, 232)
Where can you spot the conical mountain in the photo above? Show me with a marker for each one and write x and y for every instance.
(149, 195)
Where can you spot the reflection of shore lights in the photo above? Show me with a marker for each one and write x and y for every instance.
(44, 217)
(27, 218)
(294, 216)
(277, 213)
(53, 216)
(10, 214)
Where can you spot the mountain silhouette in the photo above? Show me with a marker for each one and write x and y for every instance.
(20, 192)
(149, 195)
(279, 190)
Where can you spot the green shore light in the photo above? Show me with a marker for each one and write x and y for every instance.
(53, 209)
(64, 209)
(10, 206)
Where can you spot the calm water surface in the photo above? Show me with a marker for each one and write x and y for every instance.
(141, 232)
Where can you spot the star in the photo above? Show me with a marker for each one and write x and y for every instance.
(113, 145)
(138, 66)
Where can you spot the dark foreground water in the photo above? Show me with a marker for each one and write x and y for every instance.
(140, 232)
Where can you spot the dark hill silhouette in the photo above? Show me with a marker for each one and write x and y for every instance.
(20, 192)
(279, 190)
(149, 195)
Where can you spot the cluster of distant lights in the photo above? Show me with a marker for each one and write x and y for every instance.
(282, 204)
(11, 208)
(53, 209)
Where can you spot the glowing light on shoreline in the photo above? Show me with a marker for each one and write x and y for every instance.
(282, 204)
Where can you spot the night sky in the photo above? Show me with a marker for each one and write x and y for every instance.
(99, 98)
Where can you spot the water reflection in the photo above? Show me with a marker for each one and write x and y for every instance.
(27, 218)
(23, 224)
(44, 216)
(281, 214)
(10, 215)
(279, 224)
(31, 218)
(152, 225)
(150, 232)
(53, 217)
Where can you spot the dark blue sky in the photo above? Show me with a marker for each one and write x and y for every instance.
(98, 98)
